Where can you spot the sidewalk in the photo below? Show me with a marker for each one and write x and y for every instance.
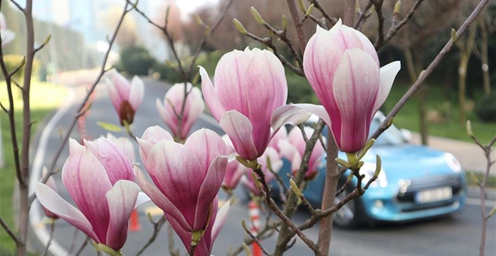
(470, 155)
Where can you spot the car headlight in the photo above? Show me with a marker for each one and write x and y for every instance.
(368, 169)
(453, 162)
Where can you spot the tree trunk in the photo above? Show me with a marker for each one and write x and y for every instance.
(465, 52)
(484, 59)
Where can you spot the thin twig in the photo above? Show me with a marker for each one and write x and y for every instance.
(416, 86)
(328, 17)
(83, 246)
(52, 229)
(256, 240)
(9, 231)
(364, 15)
(86, 98)
(157, 225)
(394, 29)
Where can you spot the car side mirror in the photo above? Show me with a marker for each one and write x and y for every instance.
(407, 134)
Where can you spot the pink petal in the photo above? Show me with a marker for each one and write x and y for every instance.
(356, 80)
(220, 220)
(288, 114)
(206, 145)
(114, 160)
(121, 200)
(209, 190)
(53, 202)
(239, 130)
(160, 199)
(136, 92)
(178, 175)
(210, 95)
(388, 73)
(88, 192)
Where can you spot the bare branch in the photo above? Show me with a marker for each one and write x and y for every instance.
(82, 106)
(319, 7)
(9, 231)
(394, 29)
(446, 49)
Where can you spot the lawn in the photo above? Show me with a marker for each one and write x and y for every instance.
(45, 98)
(444, 115)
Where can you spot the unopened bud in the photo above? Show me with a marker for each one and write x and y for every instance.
(474, 178)
(378, 166)
(342, 162)
(239, 26)
(302, 6)
(357, 7)
(454, 37)
(257, 16)
(199, 20)
(256, 181)
(366, 148)
(309, 10)
(397, 7)
(469, 128)
(295, 188)
(491, 213)
(284, 22)
(247, 250)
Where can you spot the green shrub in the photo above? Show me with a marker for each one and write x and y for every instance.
(485, 108)
(299, 90)
(135, 60)
(12, 61)
(166, 73)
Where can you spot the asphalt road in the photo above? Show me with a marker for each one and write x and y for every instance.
(457, 234)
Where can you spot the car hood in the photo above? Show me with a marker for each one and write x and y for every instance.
(409, 161)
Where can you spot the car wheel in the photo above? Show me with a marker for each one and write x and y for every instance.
(351, 214)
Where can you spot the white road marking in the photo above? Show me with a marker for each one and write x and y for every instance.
(35, 216)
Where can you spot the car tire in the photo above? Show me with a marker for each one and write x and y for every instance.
(351, 215)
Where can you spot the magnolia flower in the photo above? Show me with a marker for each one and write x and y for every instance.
(276, 164)
(187, 179)
(104, 198)
(217, 221)
(343, 69)
(125, 97)
(294, 149)
(7, 35)
(249, 86)
(170, 109)
(125, 144)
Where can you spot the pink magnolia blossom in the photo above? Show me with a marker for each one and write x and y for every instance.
(105, 198)
(294, 149)
(171, 107)
(343, 69)
(187, 178)
(275, 162)
(217, 221)
(250, 86)
(126, 97)
(7, 35)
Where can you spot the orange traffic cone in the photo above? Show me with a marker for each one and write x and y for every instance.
(134, 221)
(254, 213)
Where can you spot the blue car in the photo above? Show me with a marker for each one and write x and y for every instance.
(416, 182)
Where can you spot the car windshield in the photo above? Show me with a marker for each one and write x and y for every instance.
(392, 136)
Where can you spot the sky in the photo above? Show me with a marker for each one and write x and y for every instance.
(190, 5)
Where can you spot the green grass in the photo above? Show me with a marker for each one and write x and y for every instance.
(439, 100)
(45, 97)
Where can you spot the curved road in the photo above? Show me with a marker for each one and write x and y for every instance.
(458, 234)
